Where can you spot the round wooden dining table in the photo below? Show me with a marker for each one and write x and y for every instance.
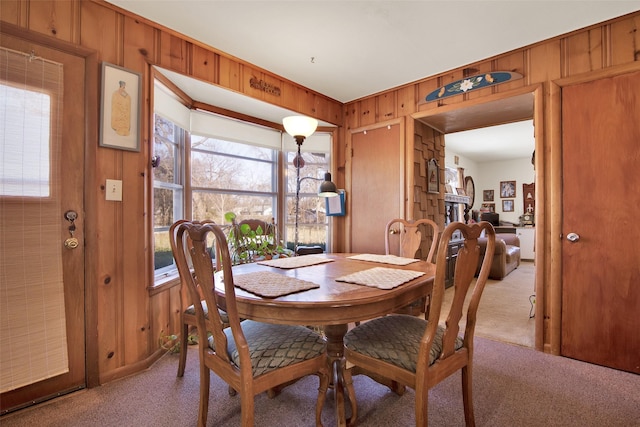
(333, 304)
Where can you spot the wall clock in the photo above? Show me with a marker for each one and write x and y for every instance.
(470, 189)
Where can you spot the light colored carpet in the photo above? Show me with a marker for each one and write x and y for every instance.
(503, 313)
(513, 386)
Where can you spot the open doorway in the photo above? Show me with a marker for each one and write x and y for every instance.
(490, 156)
(507, 309)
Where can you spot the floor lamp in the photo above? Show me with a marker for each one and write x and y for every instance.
(300, 127)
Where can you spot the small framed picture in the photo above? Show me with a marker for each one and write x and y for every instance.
(433, 176)
(487, 195)
(488, 207)
(461, 192)
(120, 109)
(507, 205)
(507, 189)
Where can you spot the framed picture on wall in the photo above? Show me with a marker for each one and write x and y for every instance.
(487, 195)
(507, 189)
(507, 205)
(488, 207)
(433, 176)
(120, 108)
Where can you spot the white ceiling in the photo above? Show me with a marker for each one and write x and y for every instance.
(489, 144)
(351, 49)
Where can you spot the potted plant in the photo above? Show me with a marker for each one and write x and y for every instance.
(248, 244)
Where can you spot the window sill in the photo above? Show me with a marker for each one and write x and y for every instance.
(164, 283)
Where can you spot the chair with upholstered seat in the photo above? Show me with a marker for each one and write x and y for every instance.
(404, 238)
(406, 351)
(252, 357)
(187, 309)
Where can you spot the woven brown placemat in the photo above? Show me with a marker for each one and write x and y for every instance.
(385, 259)
(381, 277)
(295, 262)
(271, 285)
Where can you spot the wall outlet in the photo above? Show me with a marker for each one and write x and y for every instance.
(113, 190)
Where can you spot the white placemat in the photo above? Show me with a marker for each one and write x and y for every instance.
(295, 262)
(270, 285)
(381, 277)
(385, 259)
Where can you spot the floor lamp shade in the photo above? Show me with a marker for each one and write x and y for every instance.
(300, 125)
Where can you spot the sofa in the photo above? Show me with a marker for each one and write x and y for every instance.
(506, 257)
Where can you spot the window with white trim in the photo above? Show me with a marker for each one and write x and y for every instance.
(219, 164)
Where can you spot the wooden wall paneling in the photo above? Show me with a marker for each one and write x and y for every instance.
(583, 52)
(367, 111)
(304, 100)
(351, 116)
(424, 88)
(204, 64)
(98, 31)
(14, 12)
(334, 113)
(288, 95)
(173, 53)
(135, 256)
(138, 39)
(54, 18)
(229, 73)
(406, 101)
(624, 40)
(110, 248)
(386, 106)
(138, 45)
(514, 62)
(544, 63)
(160, 313)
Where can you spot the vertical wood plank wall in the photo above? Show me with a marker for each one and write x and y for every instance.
(130, 318)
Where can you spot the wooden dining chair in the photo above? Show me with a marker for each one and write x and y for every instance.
(410, 237)
(252, 357)
(407, 351)
(187, 308)
(409, 244)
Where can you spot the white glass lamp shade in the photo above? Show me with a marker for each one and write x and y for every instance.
(300, 125)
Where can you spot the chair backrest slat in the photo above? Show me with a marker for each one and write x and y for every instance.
(466, 263)
(410, 237)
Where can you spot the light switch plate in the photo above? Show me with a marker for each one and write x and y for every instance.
(113, 190)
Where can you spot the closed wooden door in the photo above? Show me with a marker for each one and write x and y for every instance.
(42, 292)
(601, 235)
(376, 194)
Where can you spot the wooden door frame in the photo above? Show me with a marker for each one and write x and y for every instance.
(404, 160)
(90, 194)
(555, 146)
(447, 119)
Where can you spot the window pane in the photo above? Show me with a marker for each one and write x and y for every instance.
(229, 173)
(162, 256)
(24, 166)
(167, 206)
(213, 205)
(166, 148)
(212, 145)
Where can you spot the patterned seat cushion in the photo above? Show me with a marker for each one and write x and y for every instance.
(395, 339)
(192, 310)
(274, 346)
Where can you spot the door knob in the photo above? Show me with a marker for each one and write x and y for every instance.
(573, 237)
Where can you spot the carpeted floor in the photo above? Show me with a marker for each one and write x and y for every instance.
(513, 386)
(505, 307)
